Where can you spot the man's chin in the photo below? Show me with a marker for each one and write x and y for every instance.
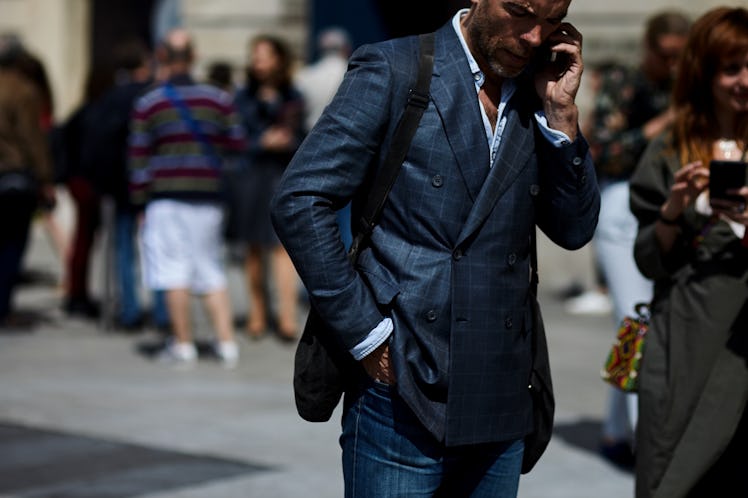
(504, 71)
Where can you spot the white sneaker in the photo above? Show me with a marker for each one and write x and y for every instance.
(227, 353)
(589, 303)
(178, 353)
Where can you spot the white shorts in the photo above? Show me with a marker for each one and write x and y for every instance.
(183, 246)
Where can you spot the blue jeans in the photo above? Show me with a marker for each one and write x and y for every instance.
(126, 263)
(388, 453)
(614, 247)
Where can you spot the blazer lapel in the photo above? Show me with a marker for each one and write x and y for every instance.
(512, 157)
(461, 118)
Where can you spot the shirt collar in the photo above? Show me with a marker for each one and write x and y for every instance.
(507, 88)
(478, 76)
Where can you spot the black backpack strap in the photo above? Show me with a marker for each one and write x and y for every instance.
(418, 101)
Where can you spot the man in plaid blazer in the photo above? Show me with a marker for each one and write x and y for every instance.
(437, 308)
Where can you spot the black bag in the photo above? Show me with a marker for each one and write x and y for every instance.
(322, 368)
(541, 390)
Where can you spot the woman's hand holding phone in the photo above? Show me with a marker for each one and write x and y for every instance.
(728, 194)
(688, 183)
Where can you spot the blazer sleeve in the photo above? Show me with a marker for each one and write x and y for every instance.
(330, 167)
(569, 200)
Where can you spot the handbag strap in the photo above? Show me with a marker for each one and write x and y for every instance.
(197, 132)
(418, 101)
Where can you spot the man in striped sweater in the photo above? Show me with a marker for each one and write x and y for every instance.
(180, 130)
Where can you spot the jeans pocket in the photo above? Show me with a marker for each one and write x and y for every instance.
(380, 387)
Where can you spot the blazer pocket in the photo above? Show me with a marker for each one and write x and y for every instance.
(382, 287)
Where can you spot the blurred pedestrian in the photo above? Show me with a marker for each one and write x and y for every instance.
(631, 107)
(221, 75)
(105, 147)
(272, 113)
(319, 80)
(33, 68)
(693, 424)
(78, 165)
(437, 309)
(179, 132)
(25, 173)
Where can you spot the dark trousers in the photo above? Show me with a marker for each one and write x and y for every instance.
(16, 211)
(88, 213)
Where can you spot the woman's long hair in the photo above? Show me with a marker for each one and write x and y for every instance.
(719, 34)
(282, 79)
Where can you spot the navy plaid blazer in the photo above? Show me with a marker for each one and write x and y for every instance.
(449, 260)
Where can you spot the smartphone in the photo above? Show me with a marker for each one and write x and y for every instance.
(545, 57)
(724, 176)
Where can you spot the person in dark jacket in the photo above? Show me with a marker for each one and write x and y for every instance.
(25, 172)
(107, 127)
(272, 113)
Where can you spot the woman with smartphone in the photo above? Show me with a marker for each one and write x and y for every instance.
(693, 422)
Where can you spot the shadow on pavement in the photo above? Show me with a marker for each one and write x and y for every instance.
(583, 434)
(39, 462)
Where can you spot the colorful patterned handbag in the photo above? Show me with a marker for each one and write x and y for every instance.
(624, 359)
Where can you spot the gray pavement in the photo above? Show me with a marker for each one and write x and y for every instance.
(82, 413)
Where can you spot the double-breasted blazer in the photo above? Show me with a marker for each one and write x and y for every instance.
(449, 260)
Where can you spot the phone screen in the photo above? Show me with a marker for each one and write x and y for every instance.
(724, 176)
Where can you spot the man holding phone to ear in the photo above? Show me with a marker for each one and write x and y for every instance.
(438, 308)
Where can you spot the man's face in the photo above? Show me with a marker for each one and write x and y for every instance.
(503, 35)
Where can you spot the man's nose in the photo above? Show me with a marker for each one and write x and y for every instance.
(535, 36)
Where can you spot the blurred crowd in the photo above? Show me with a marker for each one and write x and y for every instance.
(230, 133)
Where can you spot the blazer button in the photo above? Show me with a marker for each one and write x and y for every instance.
(457, 254)
(576, 161)
(508, 322)
(534, 190)
(431, 315)
(511, 259)
(437, 181)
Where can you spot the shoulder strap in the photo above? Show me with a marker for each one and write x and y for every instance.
(418, 101)
(184, 111)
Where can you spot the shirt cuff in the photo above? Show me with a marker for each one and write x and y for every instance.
(375, 338)
(556, 138)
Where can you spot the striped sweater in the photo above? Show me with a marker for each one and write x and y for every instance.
(166, 159)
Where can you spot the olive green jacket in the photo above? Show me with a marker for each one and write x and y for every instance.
(694, 378)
